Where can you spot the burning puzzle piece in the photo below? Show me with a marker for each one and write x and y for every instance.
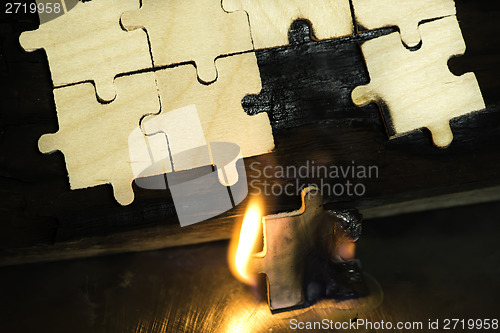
(292, 240)
(270, 20)
(417, 87)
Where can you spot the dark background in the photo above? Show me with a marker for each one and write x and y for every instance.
(431, 265)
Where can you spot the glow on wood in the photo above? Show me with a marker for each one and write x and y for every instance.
(417, 87)
(270, 20)
(406, 14)
(288, 238)
(88, 44)
(94, 137)
(190, 30)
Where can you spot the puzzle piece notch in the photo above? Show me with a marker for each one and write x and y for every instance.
(182, 31)
(405, 14)
(94, 137)
(270, 20)
(417, 87)
(88, 44)
(216, 114)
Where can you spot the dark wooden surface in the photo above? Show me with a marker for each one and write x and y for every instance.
(432, 265)
(306, 92)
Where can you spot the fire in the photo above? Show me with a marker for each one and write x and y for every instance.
(244, 243)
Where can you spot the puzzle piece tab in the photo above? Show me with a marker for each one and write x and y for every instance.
(88, 44)
(94, 137)
(406, 14)
(417, 87)
(218, 106)
(190, 30)
(270, 20)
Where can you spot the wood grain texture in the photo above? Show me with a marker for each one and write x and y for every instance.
(405, 14)
(94, 137)
(190, 31)
(270, 20)
(417, 86)
(218, 104)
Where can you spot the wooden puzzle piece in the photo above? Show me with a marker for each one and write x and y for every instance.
(94, 137)
(181, 31)
(406, 14)
(88, 44)
(219, 110)
(417, 87)
(270, 20)
(287, 239)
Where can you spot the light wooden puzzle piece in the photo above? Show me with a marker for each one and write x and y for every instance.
(88, 44)
(270, 20)
(219, 110)
(417, 87)
(94, 137)
(181, 31)
(406, 14)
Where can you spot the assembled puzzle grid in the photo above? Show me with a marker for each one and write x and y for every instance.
(143, 66)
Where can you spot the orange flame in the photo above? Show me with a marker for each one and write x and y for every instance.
(244, 243)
